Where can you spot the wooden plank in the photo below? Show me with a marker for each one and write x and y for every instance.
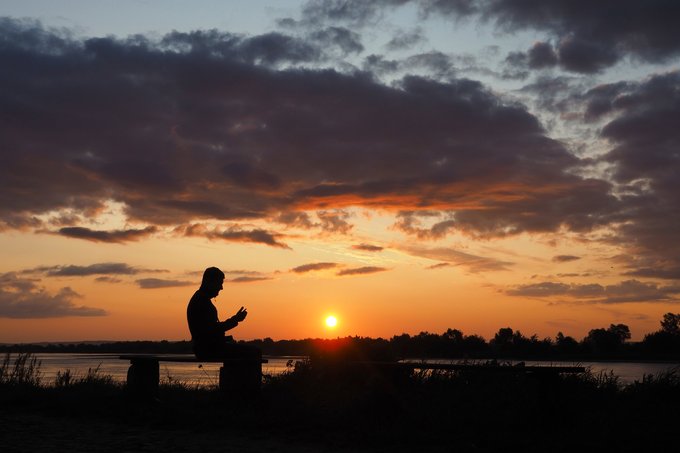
(182, 358)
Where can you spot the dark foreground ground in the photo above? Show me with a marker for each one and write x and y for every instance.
(338, 408)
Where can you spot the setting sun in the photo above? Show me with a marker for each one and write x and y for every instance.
(331, 321)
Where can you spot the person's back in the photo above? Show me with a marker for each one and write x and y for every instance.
(204, 324)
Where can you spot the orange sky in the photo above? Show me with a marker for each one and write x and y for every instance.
(406, 168)
(405, 297)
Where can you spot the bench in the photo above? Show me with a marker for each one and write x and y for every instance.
(239, 377)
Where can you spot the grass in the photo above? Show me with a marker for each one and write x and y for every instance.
(339, 406)
(24, 370)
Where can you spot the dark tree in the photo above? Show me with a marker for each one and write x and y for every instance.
(607, 341)
(671, 323)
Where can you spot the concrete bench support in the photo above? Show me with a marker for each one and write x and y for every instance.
(143, 376)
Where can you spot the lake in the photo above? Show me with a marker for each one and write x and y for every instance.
(206, 374)
(199, 374)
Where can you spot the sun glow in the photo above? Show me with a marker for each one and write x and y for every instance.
(331, 322)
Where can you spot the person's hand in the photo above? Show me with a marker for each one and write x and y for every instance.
(240, 314)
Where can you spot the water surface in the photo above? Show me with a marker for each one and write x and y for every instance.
(207, 374)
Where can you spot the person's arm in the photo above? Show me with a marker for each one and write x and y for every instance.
(234, 320)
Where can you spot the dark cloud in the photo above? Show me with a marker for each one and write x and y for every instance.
(565, 258)
(248, 279)
(114, 236)
(233, 234)
(516, 65)
(554, 94)
(294, 219)
(346, 40)
(434, 64)
(356, 13)
(543, 289)
(361, 270)
(585, 56)
(473, 263)
(377, 64)
(240, 272)
(22, 298)
(209, 125)
(409, 222)
(105, 279)
(406, 39)
(92, 269)
(335, 221)
(438, 266)
(274, 48)
(591, 36)
(368, 247)
(313, 267)
(437, 63)
(626, 291)
(570, 54)
(155, 283)
(541, 55)
(644, 161)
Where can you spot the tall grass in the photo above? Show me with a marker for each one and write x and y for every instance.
(22, 370)
(93, 377)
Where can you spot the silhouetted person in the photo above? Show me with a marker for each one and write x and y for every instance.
(207, 331)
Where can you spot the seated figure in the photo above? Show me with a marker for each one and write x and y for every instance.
(207, 331)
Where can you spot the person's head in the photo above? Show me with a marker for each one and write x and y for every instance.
(212, 281)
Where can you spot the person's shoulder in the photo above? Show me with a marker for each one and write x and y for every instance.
(197, 298)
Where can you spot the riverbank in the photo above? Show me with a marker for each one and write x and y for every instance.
(330, 407)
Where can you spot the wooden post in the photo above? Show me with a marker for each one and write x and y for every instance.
(241, 378)
(143, 376)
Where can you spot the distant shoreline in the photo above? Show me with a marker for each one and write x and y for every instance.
(430, 346)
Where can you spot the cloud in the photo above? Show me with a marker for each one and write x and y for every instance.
(643, 161)
(234, 234)
(623, 292)
(406, 39)
(541, 55)
(565, 258)
(589, 37)
(473, 263)
(354, 13)
(345, 40)
(438, 266)
(248, 279)
(240, 272)
(210, 126)
(22, 298)
(92, 269)
(114, 236)
(433, 64)
(105, 279)
(155, 283)
(361, 270)
(294, 219)
(368, 247)
(409, 222)
(313, 267)
(334, 221)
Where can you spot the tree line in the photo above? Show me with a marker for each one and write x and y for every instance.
(603, 343)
